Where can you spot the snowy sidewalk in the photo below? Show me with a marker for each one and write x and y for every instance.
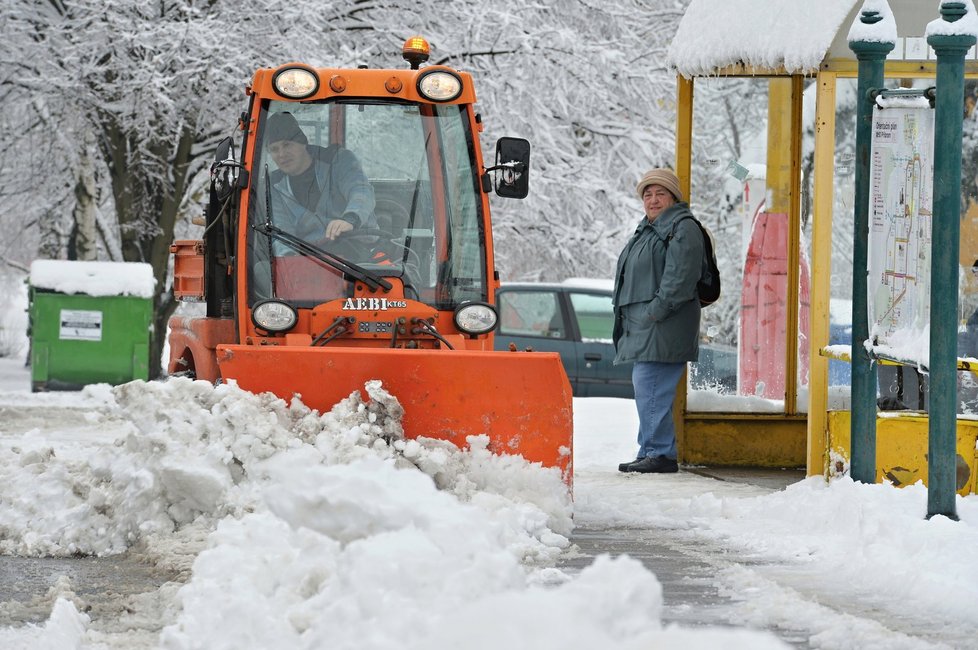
(833, 565)
(686, 569)
(294, 530)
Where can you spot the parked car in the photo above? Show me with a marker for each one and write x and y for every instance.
(575, 319)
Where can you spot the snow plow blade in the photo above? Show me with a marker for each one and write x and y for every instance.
(521, 400)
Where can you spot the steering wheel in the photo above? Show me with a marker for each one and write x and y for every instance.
(361, 244)
(381, 251)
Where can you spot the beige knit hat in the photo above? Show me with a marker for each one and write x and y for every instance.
(664, 177)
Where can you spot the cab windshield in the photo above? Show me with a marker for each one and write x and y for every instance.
(389, 188)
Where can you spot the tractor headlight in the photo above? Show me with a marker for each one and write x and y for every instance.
(297, 83)
(273, 316)
(475, 318)
(440, 86)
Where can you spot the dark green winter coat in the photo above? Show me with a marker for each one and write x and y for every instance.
(657, 311)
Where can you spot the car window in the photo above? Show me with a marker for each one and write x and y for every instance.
(530, 313)
(595, 316)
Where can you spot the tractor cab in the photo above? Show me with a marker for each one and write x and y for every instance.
(382, 169)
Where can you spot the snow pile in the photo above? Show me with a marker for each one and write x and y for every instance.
(883, 30)
(192, 454)
(865, 532)
(864, 549)
(369, 548)
(911, 345)
(94, 278)
(967, 25)
(309, 530)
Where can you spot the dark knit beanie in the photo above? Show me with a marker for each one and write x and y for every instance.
(283, 126)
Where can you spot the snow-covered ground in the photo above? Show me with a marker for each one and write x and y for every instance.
(300, 530)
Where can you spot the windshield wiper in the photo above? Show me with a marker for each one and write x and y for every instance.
(347, 267)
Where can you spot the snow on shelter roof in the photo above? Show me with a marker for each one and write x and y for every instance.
(796, 36)
(94, 278)
(793, 34)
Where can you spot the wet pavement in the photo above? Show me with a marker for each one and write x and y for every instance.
(686, 568)
(102, 587)
(691, 597)
(774, 479)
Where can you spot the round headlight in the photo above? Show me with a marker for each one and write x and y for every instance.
(475, 318)
(273, 316)
(297, 83)
(440, 86)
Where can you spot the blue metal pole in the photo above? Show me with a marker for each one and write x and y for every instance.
(862, 432)
(942, 434)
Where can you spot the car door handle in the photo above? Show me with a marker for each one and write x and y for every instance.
(592, 356)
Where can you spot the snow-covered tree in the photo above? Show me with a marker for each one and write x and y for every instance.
(591, 89)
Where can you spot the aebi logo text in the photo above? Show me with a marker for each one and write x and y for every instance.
(372, 304)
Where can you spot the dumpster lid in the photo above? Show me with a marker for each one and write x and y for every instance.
(94, 278)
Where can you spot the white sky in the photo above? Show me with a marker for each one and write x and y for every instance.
(311, 532)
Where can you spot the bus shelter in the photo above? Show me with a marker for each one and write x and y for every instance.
(765, 148)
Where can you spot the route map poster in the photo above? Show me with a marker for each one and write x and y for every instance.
(900, 221)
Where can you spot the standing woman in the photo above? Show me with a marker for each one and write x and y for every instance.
(657, 314)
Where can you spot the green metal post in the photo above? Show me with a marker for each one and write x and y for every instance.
(862, 432)
(942, 434)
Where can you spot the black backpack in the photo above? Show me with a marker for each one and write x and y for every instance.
(708, 288)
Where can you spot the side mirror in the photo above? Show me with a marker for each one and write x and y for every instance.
(224, 150)
(512, 168)
(226, 173)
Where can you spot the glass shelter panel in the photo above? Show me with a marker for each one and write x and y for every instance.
(742, 336)
(968, 301)
(843, 206)
(804, 349)
(900, 387)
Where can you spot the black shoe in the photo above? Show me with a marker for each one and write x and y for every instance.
(623, 467)
(656, 465)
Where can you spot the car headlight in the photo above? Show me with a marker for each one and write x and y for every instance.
(440, 86)
(297, 83)
(475, 318)
(273, 316)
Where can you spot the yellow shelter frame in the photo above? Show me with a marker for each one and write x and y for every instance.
(793, 438)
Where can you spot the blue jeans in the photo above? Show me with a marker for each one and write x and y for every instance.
(655, 389)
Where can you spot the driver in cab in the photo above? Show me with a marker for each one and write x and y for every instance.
(318, 193)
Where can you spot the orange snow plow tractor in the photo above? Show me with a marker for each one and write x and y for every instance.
(352, 241)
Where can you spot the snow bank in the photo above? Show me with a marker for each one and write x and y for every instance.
(308, 530)
(191, 454)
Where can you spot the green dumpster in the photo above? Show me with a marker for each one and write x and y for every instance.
(90, 323)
